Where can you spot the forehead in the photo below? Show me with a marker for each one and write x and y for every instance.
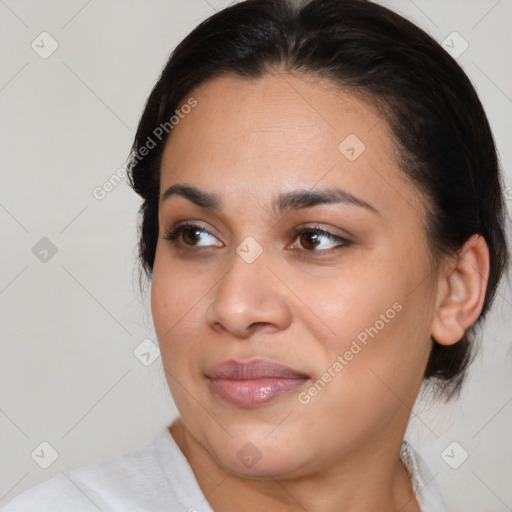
(280, 132)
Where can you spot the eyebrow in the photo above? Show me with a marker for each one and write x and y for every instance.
(285, 202)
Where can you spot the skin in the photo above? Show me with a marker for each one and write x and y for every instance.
(296, 303)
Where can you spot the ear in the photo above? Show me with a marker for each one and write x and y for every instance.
(461, 291)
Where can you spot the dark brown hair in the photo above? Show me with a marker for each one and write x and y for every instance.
(445, 143)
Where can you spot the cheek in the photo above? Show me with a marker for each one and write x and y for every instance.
(177, 306)
(350, 300)
(374, 282)
(376, 315)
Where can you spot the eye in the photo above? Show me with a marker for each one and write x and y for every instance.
(317, 239)
(311, 239)
(191, 235)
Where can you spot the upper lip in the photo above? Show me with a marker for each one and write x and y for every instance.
(255, 369)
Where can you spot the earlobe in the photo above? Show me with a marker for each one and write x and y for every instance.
(461, 292)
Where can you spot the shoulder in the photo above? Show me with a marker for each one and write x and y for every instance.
(131, 482)
(56, 494)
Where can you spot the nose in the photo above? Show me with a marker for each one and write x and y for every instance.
(249, 299)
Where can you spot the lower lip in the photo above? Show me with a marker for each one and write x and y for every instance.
(254, 392)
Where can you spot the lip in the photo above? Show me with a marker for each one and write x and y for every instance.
(253, 383)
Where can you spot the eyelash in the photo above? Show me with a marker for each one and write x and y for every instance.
(173, 237)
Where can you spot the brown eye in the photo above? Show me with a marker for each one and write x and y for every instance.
(191, 235)
(319, 240)
(309, 240)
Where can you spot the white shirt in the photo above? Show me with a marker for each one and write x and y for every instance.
(159, 478)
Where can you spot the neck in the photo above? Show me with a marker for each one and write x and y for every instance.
(372, 479)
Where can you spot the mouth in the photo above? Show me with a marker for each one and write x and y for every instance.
(253, 383)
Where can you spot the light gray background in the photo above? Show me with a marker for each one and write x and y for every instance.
(69, 326)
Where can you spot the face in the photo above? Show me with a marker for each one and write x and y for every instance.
(294, 296)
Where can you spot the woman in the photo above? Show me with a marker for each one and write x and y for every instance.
(323, 227)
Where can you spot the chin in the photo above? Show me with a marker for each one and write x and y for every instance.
(262, 464)
(254, 454)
